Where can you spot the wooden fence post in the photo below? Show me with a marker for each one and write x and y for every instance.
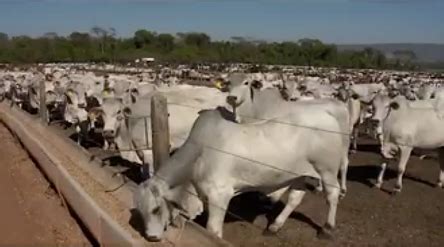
(42, 108)
(160, 130)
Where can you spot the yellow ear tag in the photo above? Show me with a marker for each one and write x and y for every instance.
(218, 84)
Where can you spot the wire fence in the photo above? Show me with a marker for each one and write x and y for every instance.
(248, 159)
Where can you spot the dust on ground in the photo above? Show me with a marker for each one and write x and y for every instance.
(31, 212)
(366, 216)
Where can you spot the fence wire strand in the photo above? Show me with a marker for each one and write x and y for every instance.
(274, 120)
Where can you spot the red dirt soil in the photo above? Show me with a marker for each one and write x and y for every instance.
(31, 212)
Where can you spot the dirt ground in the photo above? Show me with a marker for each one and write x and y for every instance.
(31, 212)
(366, 217)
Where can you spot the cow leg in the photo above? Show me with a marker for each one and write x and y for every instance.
(380, 178)
(92, 124)
(218, 201)
(294, 199)
(404, 158)
(79, 137)
(48, 117)
(441, 165)
(441, 177)
(355, 139)
(379, 134)
(332, 191)
(105, 145)
(344, 170)
(319, 187)
(276, 195)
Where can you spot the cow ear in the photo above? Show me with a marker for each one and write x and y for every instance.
(134, 93)
(394, 105)
(68, 98)
(226, 86)
(127, 111)
(95, 111)
(257, 84)
(284, 94)
(355, 96)
(174, 204)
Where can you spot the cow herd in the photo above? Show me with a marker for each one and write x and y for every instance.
(245, 132)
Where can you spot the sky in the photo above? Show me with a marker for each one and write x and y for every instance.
(332, 21)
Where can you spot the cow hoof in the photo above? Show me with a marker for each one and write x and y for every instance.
(273, 228)
(325, 234)
(342, 195)
(396, 191)
(352, 151)
(268, 232)
(318, 189)
(378, 186)
(439, 185)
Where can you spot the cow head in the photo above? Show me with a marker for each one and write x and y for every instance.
(153, 201)
(381, 108)
(77, 94)
(243, 92)
(95, 88)
(131, 95)
(342, 94)
(50, 97)
(113, 113)
(75, 109)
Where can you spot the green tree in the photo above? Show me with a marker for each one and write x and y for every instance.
(197, 39)
(165, 42)
(143, 38)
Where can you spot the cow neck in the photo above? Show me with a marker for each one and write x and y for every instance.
(179, 168)
(123, 138)
(267, 104)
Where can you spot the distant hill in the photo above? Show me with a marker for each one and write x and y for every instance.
(429, 53)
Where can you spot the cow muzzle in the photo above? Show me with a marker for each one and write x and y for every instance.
(374, 123)
(232, 100)
(153, 239)
(108, 134)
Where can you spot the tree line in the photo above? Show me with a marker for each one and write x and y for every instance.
(102, 45)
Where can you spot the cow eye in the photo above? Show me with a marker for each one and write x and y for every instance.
(156, 210)
(119, 116)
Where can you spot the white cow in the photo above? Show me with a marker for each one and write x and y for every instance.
(125, 124)
(366, 92)
(253, 104)
(220, 175)
(409, 125)
(75, 110)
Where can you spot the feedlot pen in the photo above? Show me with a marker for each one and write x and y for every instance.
(366, 216)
